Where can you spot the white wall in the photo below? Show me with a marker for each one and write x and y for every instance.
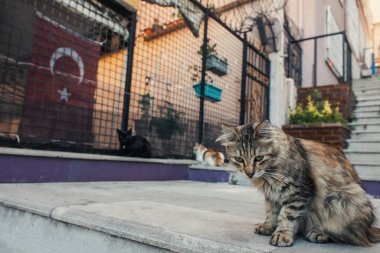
(278, 101)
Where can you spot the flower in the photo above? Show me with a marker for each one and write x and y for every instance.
(327, 108)
(310, 105)
(316, 112)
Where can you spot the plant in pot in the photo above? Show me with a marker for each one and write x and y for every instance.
(318, 121)
(142, 125)
(211, 92)
(176, 20)
(168, 121)
(214, 63)
(316, 112)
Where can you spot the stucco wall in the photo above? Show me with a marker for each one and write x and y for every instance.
(376, 42)
(314, 25)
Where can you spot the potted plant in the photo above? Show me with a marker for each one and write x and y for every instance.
(142, 125)
(211, 92)
(168, 121)
(156, 27)
(318, 121)
(176, 20)
(214, 63)
(148, 31)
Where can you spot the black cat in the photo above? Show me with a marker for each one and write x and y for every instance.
(133, 145)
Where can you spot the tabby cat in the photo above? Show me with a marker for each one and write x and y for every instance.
(309, 188)
(208, 156)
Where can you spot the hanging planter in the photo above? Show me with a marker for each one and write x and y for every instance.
(212, 93)
(216, 65)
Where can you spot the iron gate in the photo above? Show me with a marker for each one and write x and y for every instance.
(255, 84)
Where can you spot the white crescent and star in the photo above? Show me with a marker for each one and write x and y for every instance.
(69, 52)
(64, 95)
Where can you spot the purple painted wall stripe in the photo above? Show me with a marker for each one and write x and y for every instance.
(23, 169)
(372, 188)
(208, 175)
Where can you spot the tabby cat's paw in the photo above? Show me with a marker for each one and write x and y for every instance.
(317, 237)
(262, 229)
(281, 239)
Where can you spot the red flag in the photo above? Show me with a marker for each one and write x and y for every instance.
(60, 87)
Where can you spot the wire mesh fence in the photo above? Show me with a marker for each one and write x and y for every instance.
(74, 71)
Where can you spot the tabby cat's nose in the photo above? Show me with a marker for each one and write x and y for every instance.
(250, 175)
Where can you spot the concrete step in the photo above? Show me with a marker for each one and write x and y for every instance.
(370, 108)
(362, 92)
(359, 126)
(365, 135)
(364, 158)
(372, 83)
(368, 172)
(366, 83)
(368, 113)
(119, 217)
(372, 97)
(372, 102)
(369, 86)
(363, 146)
(367, 120)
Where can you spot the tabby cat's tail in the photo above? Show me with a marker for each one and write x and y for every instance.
(374, 235)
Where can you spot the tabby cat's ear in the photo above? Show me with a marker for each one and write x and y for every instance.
(228, 136)
(264, 124)
(129, 132)
(263, 129)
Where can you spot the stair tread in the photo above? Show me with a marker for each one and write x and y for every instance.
(366, 98)
(364, 141)
(360, 152)
(363, 122)
(354, 123)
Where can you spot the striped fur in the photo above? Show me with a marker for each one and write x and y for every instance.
(310, 188)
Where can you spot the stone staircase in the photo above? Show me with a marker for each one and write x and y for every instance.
(364, 146)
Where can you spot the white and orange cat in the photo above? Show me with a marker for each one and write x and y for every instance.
(208, 156)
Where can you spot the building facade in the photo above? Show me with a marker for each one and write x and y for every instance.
(315, 18)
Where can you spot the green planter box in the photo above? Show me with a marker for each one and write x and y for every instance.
(216, 65)
(212, 93)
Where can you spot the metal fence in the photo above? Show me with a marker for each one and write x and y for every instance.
(74, 71)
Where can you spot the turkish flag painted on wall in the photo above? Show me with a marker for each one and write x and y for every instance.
(60, 87)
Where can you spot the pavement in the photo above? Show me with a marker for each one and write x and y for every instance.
(166, 216)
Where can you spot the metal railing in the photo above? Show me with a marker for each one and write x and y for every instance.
(337, 57)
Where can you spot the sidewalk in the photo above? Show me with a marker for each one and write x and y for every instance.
(179, 216)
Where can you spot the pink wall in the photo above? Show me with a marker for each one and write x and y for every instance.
(310, 16)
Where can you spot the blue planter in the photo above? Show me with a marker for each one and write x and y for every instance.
(212, 93)
(216, 65)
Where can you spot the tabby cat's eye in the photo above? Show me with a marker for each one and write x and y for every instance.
(238, 159)
(259, 158)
